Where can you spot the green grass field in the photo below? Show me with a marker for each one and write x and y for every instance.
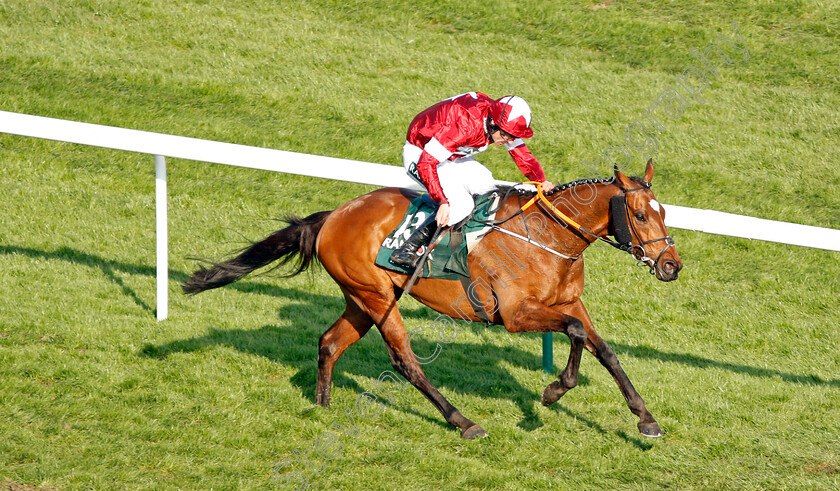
(739, 360)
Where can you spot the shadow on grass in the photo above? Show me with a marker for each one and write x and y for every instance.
(321, 302)
(108, 268)
(462, 368)
(637, 442)
(298, 346)
(645, 352)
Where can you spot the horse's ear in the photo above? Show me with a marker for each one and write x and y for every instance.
(648, 172)
(622, 179)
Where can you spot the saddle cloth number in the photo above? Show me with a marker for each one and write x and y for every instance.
(404, 231)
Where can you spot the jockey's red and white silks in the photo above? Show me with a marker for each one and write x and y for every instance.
(453, 129)
(460, 179)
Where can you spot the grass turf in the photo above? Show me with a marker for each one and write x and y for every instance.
(738, 360)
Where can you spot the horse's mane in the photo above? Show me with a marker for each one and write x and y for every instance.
(505, 188)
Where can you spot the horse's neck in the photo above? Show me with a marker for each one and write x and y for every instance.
(587, 204)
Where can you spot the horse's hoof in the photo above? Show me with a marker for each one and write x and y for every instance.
(650, 429)
(473, 432)
(553, 393)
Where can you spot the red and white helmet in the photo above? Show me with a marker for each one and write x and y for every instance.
(513, 115)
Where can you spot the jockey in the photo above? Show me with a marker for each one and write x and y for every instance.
(438, 155)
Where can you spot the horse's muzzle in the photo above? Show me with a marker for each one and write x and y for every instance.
(669, 270)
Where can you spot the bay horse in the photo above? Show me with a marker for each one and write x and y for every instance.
(543, 297)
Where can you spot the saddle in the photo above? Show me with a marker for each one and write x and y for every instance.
(448, 260)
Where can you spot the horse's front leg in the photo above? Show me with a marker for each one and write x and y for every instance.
(532, 315)
(605, 354)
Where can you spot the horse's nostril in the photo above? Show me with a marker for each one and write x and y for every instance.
(670, 267)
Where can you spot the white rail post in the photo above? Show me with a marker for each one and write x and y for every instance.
(162, 235)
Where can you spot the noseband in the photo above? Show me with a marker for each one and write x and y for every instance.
(623, 229)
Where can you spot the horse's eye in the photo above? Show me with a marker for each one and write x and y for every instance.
(640, 217)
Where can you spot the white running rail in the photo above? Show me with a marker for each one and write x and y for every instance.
(162, 146)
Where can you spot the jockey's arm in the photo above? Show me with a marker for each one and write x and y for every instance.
(528, 164)
(427, 168)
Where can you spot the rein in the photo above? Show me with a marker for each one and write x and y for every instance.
(533, 242)
(625, 236)
(494, 224)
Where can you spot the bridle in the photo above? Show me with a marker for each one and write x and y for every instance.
(623, 229)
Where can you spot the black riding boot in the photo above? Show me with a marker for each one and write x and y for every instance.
(409, 253)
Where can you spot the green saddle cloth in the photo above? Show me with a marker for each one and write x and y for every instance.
(443, 262)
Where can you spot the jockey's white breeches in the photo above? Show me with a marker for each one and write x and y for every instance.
(460, 179)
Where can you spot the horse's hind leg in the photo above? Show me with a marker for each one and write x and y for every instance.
(403, 360)
(349, 328)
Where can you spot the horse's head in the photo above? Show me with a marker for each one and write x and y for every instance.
(637, 221)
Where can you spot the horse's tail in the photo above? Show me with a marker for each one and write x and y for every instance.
(298, 239)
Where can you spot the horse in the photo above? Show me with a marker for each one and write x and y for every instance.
(546, 299)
